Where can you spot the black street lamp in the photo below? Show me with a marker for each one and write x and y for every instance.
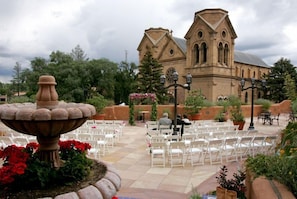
(175, 85)
(242, 82)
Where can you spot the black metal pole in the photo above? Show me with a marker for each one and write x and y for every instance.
(175, 107)
(251, 127)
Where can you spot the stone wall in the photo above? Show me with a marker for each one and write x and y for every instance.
(209, 113)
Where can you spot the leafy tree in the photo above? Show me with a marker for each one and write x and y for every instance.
(125, 82)
(149, 74)
(276, 79)
(76, 78)
(102, 76)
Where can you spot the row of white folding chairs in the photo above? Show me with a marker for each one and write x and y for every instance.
(230, 148)
(105, 122)
(7, 140)
(116, 127)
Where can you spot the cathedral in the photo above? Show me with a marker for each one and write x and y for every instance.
(207, 52)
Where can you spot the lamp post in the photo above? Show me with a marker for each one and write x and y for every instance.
(253, 86)
(175, 85)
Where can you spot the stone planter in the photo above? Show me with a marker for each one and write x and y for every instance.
(262, 188)
(105, 188)
(223, 193)
(195, 116)
(99, 116)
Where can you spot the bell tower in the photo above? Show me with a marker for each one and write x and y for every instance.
(210, 52)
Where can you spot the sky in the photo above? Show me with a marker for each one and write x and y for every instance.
(113, 29)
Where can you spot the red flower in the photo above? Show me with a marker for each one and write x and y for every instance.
(33, 145)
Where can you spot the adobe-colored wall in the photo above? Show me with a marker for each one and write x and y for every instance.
(209, 113)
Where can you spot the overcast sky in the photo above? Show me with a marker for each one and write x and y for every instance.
(113, 29)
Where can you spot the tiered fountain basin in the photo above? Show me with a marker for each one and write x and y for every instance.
(26, 118)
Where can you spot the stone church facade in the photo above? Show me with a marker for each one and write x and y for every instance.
(208, 53)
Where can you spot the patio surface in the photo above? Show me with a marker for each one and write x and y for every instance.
(139, 181)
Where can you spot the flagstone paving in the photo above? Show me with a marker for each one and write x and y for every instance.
(139, 181)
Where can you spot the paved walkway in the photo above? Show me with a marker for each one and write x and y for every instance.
(140, 181)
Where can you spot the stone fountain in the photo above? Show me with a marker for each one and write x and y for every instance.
(47, 118)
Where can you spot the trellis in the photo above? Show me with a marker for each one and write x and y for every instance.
(139, 97)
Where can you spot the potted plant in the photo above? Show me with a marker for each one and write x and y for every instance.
(194, 102)
(222, 116)
(236, 113)
(99, 102)
(230, 188)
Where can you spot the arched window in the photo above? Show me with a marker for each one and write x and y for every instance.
(254, 74)
(196, 53)
(242, 73)
(249, 73)
(226, 54)
(204, 52)
(220, 53)
(246, 97)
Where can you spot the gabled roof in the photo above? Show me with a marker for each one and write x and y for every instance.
(212, 26)
(181, 43)
(246, 58)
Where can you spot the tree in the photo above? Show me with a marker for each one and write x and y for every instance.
(78, 54)
(102, 76)
(276, 79)
(125, 82)
(149, 74)
(290, 87)
(16, 81)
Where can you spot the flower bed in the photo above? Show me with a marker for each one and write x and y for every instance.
(23, 173)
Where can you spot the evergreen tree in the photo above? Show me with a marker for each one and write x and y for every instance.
(16, 82)
(78, 54)
(276, 79)
(149, 74)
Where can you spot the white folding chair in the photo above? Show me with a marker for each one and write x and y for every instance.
(95, 149)
(5, 141)
(70, 136)
(244, 146)
(83, 130)
(270, 144)
(188, 137)
(109, 135)
(196, 152)
(176, 152)
(173, 138)
(158, 154)
(257, 145)
(213, 151)
(84, 137)
(20, 141)
(166, 131)
(101, 143)
(157, 139)
(230, 149)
